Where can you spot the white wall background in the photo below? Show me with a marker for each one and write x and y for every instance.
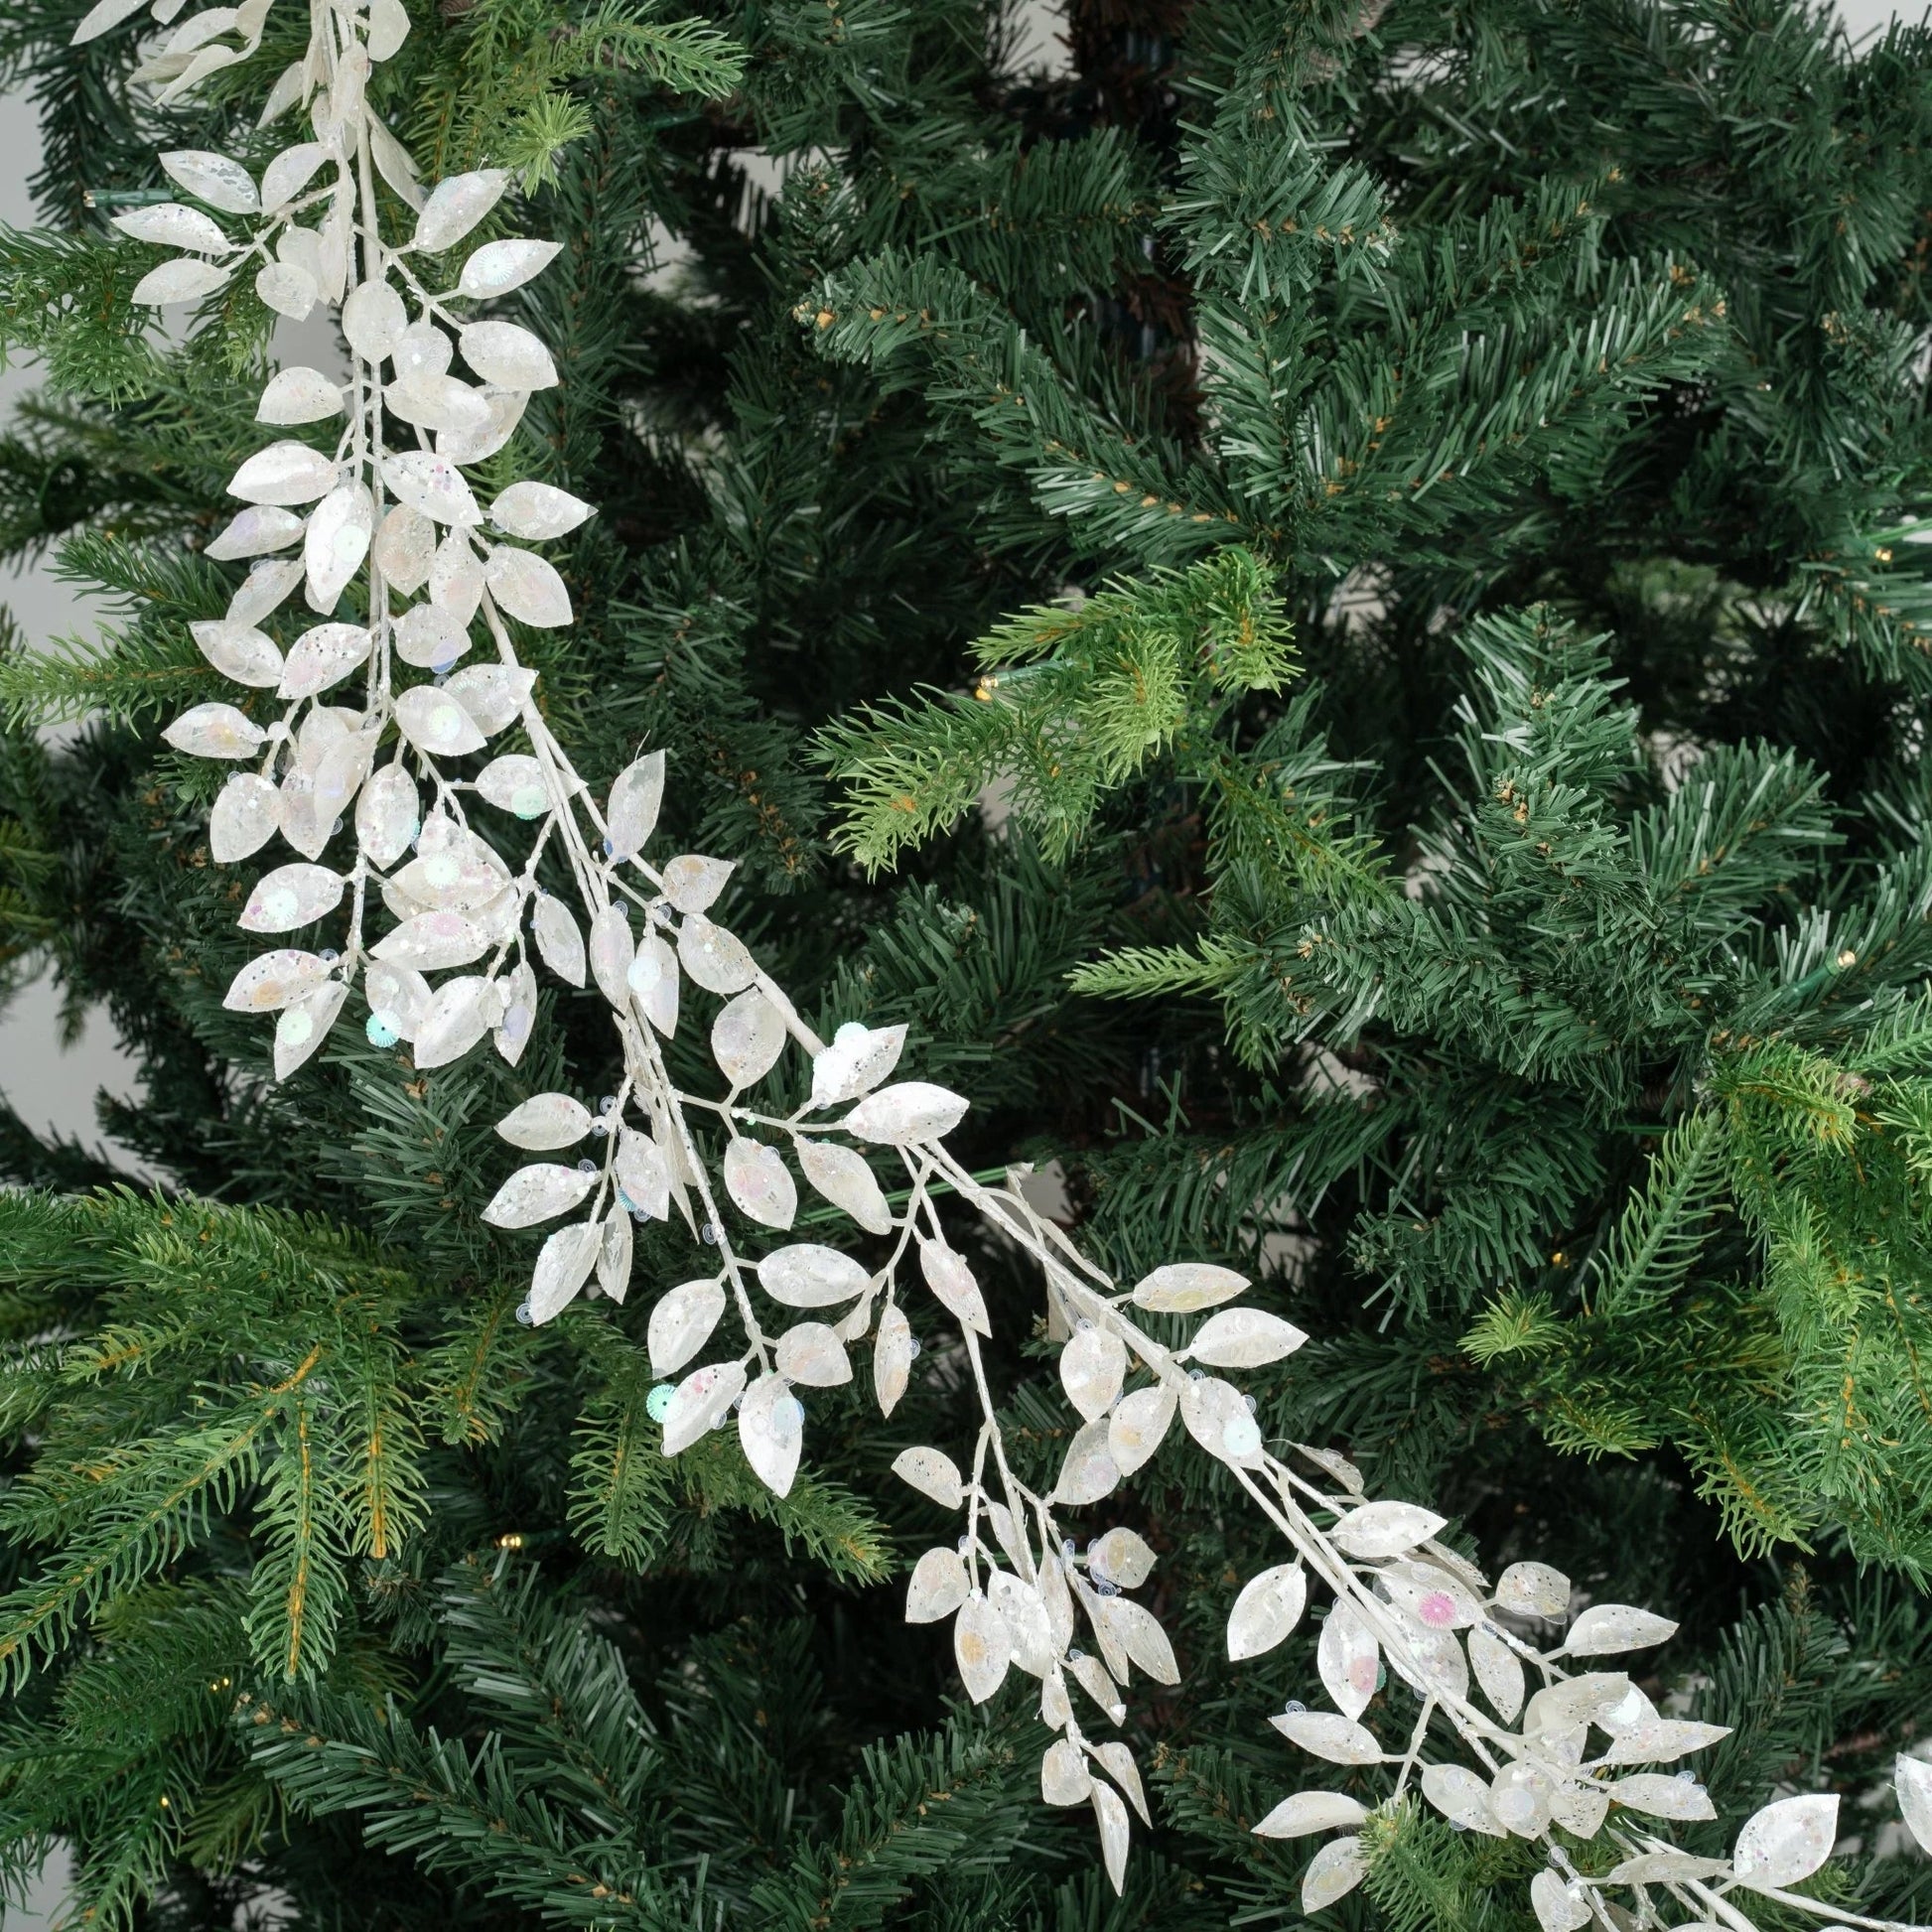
(54, 1086)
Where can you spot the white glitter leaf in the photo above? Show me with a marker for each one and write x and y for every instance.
(291, 897)
(905, 1114)
(771, 1431)
(285, 474)
(700, 1402)
(1312, 1811)
(298, 395)
(1187, 1287)
(507, 354)
(185, 279)
(1268, 1608)
(456, 206)
(811, 1276)
(537, 511)
(1786, 1841)
(759, 1183)
(681, 1324)
(499, 266)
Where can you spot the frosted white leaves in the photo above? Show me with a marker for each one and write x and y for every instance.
(1268, 1608)
(771, 1431)
(1912, 1781)
(304, 1025)
(759, 1183)
(1121, 1557)
(434, 722)
(102, 16)
(692, 884)
(1111, 1816)
(290, 173)
(1664, 1797)
(713, 957)
(528, 587)
(1461, 1796)
(1137, 1631)
(891, 1359)
(681, 1324)
(1558, 1907)
(545, 1120)
(939, 1586)
(461, 1012)
(1786, 1841)
(1657, 1741)
(1312, 1811)
(254, 531)
(499, 266)
(171, 225)
(434, 401)
(1219, 1419)
(537, 1193)
(403, 548)
(812, 1353)
(387, 815)
(1499, 1670)
(1137, 1427)
(1533, 1589)
(374, 319)
(612, 952)
(932, 1474)
(388, 29)
(456, 206)
(1349, 1659)
(239, 651)
(287, 288)
(984, 1648)
(1089, 1471)
(213, 179)
(952, 1280)
(637, 794)
(699, 1403)
(858, 1058)
(1333, 1873)
(1063, 1775)
(298, 395)
(285, 474)
(515, 783)
(1379, 1530)
(432, 484)
(1242, 1338)
(615, 1256)
(185, 279)
(653, 983)
(1093, 1366)
(244, 818)
(1327, 1734)
(271, 980)
(537, 511)
(507, 354)
(1187, 1287)
(842, 1176)
(905, 1115)
(746, 1038)
(811, 1276)
(563, 1264)
(323, 657)
(1605, 1628)
(291, 897)
(559, 941)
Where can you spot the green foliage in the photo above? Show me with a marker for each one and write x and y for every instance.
(1069, 703)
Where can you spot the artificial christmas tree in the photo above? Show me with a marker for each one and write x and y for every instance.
(1428, 834)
